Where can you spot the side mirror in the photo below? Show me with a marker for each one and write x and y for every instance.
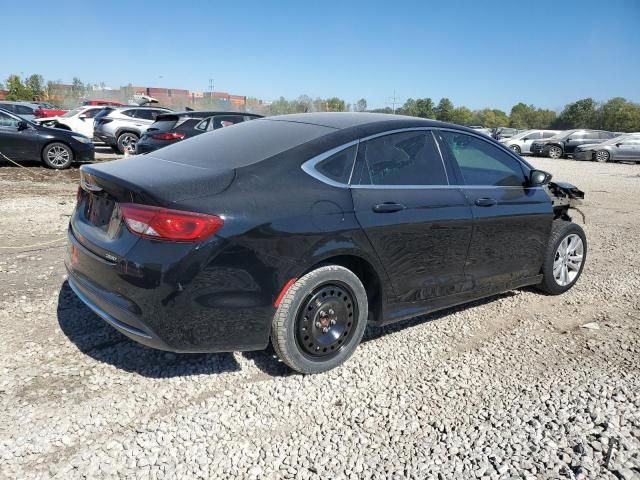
(537, 178)
(525, 139)
(82, 116)
(22, 125)
(618, 144)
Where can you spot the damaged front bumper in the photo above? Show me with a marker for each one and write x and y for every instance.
(564, 197)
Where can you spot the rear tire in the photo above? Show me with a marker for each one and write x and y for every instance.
(564, 258)
(57, 155)
(127, 142)
(516, 149)
(320, 320)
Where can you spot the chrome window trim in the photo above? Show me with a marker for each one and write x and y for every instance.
(310, 165)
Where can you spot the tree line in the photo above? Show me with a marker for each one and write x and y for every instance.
(617, 114)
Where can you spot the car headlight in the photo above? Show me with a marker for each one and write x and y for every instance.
(81, 139)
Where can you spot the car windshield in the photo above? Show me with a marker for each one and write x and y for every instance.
(520, 135)
(561, 135)
(71, 113)
(621, 138)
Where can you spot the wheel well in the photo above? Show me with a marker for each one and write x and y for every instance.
(126, 130)
(367, 275)
(55, 141)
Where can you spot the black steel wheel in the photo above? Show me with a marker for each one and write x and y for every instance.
(325, 321)
(320, 320)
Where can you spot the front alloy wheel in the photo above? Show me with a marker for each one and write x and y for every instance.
(568, 260)
(565, 257)
(602, 156)
(320, 320)
(555, 152)
(57, 155)
(515, 148)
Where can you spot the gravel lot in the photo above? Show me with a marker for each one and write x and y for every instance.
(510, 387)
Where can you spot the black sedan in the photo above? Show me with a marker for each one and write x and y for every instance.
(170, 128)
(301, 229)
(56, 148)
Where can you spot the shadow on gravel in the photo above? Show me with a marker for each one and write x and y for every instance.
(95, 338)
(373, 333)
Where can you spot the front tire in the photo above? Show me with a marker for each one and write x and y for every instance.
(564, 258)
(555, 152)
(57, 155)
(320, 320)
(602, 156)
(516, 149)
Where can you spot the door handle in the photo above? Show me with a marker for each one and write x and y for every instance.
(388, 207)
(486, 202)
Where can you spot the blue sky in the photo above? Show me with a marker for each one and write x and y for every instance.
(477, 53)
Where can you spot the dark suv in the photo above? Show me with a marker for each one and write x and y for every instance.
(170, 128)
(564, 143)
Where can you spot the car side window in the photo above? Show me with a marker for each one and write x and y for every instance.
(23, 110)
(408, 158)
(221, 121)
(129, 113)
(482, 163)
(92, 113)
(203, 124)
(548, 134)
(577, 136)
(338, 166)
(146, 114)
(534, 136)
(8, 122)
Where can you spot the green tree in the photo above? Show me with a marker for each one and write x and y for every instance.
(581, 114)
(78, 89)
(17, 89)
(461, 116)
(520, 115)
(619, 115)
(335, 104)
(361, 105)
(35, 83)
(444, 110)
(490, 118)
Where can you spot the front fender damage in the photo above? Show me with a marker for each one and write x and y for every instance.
(564, 197)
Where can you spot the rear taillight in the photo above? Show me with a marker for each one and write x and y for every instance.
(168, 136)
(165, 224)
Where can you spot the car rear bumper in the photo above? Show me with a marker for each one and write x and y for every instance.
(147, 146)
(168, 306)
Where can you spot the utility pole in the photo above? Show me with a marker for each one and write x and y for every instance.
(394, 101)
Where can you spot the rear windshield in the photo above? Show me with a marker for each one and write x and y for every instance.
(244, 144)
(164, 125)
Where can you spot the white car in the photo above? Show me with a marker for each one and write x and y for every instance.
(78, 120)
(521, 142)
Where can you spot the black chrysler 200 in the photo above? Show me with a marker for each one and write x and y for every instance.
(301, 229)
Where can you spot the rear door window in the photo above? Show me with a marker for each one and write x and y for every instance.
(8, 122)
(482, 163)
(129, 113)
(221, 121)
(147, 114)
(23, 110)
(203, 125)
(408, 158)
(533, 136)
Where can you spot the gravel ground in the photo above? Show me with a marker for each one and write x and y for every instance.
(510, 387)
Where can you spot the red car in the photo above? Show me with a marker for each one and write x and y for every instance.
(47, 110)
(104, 102)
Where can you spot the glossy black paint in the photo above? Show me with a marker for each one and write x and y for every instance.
(28, 142)
(439, 250)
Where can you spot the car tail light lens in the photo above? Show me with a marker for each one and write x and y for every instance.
(168, 136)
(166, 224)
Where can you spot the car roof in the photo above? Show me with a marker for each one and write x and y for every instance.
(206, 113)
(12, 102)
(342, 120)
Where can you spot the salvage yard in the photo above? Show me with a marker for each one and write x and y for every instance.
(521, 385)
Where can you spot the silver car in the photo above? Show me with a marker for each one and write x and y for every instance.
(26, 110)
(122, 127)
(625, 148)
(521, 142)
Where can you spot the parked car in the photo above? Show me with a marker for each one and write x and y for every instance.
(624, 147)
(504, 132)
(46, 110)
(564, 143)
(78, 120)
(21, 139)
(481, 129)
(26, 110)
(301, 229)
(173, 127)
(103, 103)
(521, 142)
(122, 127)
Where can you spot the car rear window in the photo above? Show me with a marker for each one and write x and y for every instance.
(244, 144)
(164, 125)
